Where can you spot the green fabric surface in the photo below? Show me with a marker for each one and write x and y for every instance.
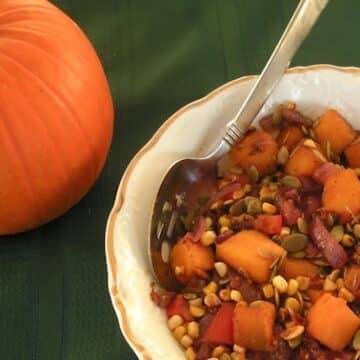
(158, 56)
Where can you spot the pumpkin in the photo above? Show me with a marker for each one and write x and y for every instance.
(56, 114)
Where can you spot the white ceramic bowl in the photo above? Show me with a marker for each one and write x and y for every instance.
(192, 131)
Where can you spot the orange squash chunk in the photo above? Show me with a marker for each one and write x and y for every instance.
(304, 160)
(250, 251)
(190, 258)
(258, 148)
(352, 153)
(332, 322)
(342, 193)
(254, 326)
(314, 294)
(332, 127)
(291, 268)
(290, 136)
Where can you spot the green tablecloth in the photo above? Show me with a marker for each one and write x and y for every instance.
(158, 56)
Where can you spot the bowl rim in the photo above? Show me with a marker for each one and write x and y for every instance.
(111, 265)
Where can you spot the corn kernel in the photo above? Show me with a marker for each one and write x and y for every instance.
(208, 238)
(190, 353)
(303, 282)
(224, 221)
(212, 300)
(247, 188)
(197, 311)
(218, 351)
(221, 268)
(210, 288)
(225, 356)
(340, 283)
(334, 275)
(224, 294)
(268, 291)
(293, 304)
(193, 329)
(285, 230)
(347, 240)
(224, 229)
(186, 341)
(238, 349)
(346, 294)
(292, 287)
(208, 222)
(310, 143)
(175, 321)
(268, 208)
(280, 284)
(329, 285)
(195, 302)
(179, 332)
(235, 295)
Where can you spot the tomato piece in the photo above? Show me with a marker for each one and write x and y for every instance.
(179, 306)
(269, 224)
(221, 328)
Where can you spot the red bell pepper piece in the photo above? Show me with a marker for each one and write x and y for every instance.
(333, 252)
(269, 224)
(220, 330)
(179, 306)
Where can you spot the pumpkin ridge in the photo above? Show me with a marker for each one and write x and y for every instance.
(40, 8)
(60, 98)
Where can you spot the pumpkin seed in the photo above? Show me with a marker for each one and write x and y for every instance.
(304, 130)
(266, 194)
(238, 208)
(291, 181)
(294, 242)
(282, 155)
(254, 207)
(320, 262)
(302, 225)
(356, 230)
(349, 228)
(253, 173)
(298, 254)
(319, 155)
(312, 134)
(329, 219)
(276, 297)
(356, 341)
(337, 232)
(292, 332)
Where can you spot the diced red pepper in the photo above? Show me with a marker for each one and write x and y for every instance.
(269, 224)
(324, 171)
(179, 306)
(220, 330)
(333, 252)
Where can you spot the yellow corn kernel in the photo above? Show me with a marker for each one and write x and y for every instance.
(224, 294)
(280, 284)
(268, 291)
(190, 353)
(329, 285)
(347, 240)
(218, 351)
(208, 238)
(197, 311)
(235, 295)
(310, 143)
(212, 300)
(224, 221)
(208, 222)
(175, 321)
(292, 287)
(195, 302)
(186, 341)
(179, 332)
(224, 229)
(210, 288)
(221, 268)
(193, 329)
(340, 283)
(303, 282)
(293, 304)
(268, 208)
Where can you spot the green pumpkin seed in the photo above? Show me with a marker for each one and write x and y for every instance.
(291, 181)
(253, 173)
(302, 225)
(238, 208)
(282, 155)
(356, 341)
(337, 232)
(254, 207)
(356, 230)
(294, 242)
(298, 255)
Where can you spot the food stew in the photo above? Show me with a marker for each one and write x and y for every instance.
(269, 254)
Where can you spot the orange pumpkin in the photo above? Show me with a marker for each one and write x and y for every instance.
(56, 114)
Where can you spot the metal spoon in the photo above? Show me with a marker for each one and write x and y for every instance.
(183, 174)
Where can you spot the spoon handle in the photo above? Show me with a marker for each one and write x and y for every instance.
(302, 21)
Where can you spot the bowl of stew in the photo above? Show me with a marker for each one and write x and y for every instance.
(268, 253)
